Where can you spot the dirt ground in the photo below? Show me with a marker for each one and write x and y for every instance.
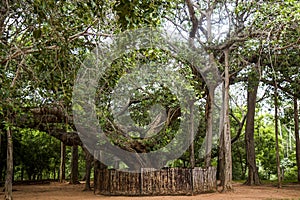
(56, 191)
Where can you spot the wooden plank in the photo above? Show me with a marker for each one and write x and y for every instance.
(147, 177)
(135, 184)
(156, 182)
(170, 181)
(112, 181)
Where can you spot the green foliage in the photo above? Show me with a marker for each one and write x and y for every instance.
(265, 146)
(139, 13)
(142, 99)
(42, 43)
(265, 150)
(37, 153)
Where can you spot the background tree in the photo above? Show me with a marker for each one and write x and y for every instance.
(296, 119)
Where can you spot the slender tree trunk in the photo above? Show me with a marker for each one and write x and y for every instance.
(98, 166)
(88, 174)
(276, 135)
(192, 155)
(192, 147)
(4, 7)
(208, 34)
(88, 167)
(244, 168)
(221, 162)
(220, 165)
(226, 180)
(210, 96)
(1, 164)
(54, 174)
(97, 183)
(209, 128)
(62, 167)
(296, 119)
(253, 83)
(74, 165)
(9, 170)
(22, 173)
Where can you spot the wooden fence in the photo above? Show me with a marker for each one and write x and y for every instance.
(171, 181)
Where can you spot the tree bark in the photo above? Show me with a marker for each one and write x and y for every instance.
(1, 164)
(3, 15)
(210, 100)
(88, 167)
(220, 165)
(98, 166)
(74, 166)
(209, 128)
(253, 83)
(9, 170)
(276, 136)
(210, 97)
(226, 180)
(296, 120)
(192, 147)
(192, 155)
(62, 168)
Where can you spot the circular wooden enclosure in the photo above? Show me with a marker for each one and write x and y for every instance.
(171, 181)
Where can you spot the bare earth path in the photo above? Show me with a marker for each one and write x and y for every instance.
(56, 191)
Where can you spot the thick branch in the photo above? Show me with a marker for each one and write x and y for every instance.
(193, 18)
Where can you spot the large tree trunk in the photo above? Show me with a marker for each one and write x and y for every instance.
(62, 168)
(276, 136)
(74, 166)
(253, 83)
(225, 147)
(296, 119)
(9, 170)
